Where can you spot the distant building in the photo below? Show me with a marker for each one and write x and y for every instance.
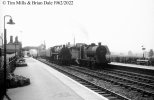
(15, 46)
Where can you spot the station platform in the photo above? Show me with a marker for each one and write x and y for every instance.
(133, 65)
(49, 84)
(141, 69)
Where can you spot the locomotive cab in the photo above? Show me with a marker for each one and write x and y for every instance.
(65, 56)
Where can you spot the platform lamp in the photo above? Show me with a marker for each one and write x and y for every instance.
(5, 65)
(143, 48)
(2, 39)
(15, 49)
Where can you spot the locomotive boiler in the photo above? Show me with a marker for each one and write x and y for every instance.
(99, 53)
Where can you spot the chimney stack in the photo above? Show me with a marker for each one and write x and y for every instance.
(11, 39)
(16, 39)
(68, 43)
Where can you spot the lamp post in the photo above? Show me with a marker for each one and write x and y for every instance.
(37, 51)
(1, 50)
(2, 39)
(5, 39)
(143, 48)
(15, 49)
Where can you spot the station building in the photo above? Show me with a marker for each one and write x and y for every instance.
(14, 46)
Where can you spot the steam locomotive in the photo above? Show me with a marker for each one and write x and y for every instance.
(80, 54)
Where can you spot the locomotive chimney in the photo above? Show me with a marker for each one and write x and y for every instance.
(11, 39)
(99, 44)
(63, 46)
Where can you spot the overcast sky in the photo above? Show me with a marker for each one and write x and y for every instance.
(123, 25)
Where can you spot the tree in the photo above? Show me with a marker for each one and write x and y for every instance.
(151, 53)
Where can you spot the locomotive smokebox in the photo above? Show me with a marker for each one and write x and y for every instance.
(98, 53)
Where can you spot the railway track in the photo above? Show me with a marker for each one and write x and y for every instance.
(95, 87)
(143, 88)
(144, 80)
(138, 77)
